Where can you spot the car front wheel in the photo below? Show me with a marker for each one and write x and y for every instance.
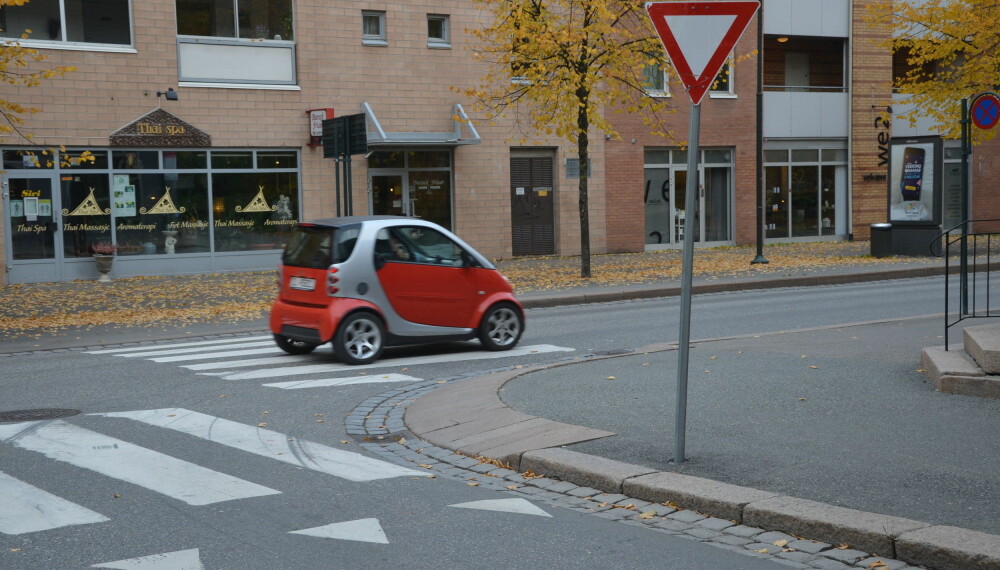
(501, 327)
(292, 346)
(360, 339)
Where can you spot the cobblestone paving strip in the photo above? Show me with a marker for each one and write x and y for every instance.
(370, 421)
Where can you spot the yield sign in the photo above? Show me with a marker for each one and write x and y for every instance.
(699, 36)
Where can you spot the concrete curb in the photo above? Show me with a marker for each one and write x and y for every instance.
(914, 542)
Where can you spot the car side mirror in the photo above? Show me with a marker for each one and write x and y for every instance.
(468, 260)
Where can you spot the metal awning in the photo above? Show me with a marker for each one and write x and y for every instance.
(464, 133)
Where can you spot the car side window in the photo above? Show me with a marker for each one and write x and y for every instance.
(415, 244)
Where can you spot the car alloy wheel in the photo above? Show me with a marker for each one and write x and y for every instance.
(501, 328)
(359, 339)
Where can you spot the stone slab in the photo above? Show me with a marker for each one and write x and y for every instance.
(870, 532)
(977, 386)
(939, 362)
(487, 420)
(983, 344)
(585, 470)
(949, 548)
(696, 493)
(539, 436)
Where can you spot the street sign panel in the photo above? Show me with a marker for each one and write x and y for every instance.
(986, 111)
(699, 37)
(346, 135)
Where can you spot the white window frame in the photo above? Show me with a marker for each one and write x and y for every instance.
(444, 42)
(65, 44)
(730, 91)
(379, 39)
(665, 92)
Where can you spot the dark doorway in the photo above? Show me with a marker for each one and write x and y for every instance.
(531, 205)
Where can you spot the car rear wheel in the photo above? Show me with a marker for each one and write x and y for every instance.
(359, 339)
(501, 327)
(292, 346)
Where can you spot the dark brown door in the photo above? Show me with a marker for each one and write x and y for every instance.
(531, 206)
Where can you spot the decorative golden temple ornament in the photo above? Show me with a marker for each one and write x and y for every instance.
(88, 207)
(258, 204)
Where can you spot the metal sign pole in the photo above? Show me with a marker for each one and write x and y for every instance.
(690, 219)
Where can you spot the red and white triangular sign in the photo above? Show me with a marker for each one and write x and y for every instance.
(699, 36)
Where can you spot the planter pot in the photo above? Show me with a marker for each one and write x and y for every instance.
(104, 266)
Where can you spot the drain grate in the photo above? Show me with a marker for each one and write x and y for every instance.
(35, 415)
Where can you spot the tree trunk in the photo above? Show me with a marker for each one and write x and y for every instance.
(583, 149)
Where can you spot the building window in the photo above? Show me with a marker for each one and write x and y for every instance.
(373, 28)
(437, 31)
(246, 19)
(654, 77)
(723, 84)
(106, 22)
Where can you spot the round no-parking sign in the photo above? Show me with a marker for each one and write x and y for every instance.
(986, 111)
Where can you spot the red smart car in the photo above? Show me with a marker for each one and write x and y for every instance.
(367, 282)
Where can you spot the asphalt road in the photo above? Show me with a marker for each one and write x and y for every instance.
(799, 402)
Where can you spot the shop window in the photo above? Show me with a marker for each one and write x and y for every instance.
(185, 159)
(438, 31)
(277, 160)
(386, 159)
(23, 159)
(373, 28)
(231, 160)
(254, 210)
(135, 159)
(160, 213)
(429, 159)
(86, 213)
(86, 21)
(246, 19)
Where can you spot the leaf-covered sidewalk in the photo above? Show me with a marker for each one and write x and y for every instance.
(38, 309)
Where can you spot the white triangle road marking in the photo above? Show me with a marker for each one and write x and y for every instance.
(271, 444)
(177, 345)
(517, 506)
(325, 382)
(193, 484)
(393, 362)
(179, 560)
(27, 508)
(361, 530)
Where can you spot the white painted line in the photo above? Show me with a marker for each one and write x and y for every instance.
(287, 359)
(119, 459)
(517, 506)
(203, 348)
(395, 362)
(177, 345)
(271, 444)
(227, 354)
(362, 530)
(371, 379)
(29, 509)
(179, 560)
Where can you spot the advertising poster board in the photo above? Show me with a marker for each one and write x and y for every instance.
(915, 181)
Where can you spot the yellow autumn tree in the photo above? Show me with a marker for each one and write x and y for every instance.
(948, 50)
(560, 65)
(17, 68)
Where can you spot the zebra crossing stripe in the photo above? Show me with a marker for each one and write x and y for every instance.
(325, 382)
(287, 359)
(227, 354)
(391, 362)
(177, 345)
(193, 484)
(29, 509)
(202, 348)
(266, 443)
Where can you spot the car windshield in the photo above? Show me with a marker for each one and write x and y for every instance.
(318, 247)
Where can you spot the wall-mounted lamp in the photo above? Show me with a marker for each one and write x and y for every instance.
(170, 94)
(782, 39)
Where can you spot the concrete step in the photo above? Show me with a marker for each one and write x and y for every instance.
(955, 372)
(983, 345)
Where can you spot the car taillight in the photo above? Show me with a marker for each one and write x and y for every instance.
(331, 282)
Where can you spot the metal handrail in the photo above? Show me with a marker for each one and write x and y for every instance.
(970, 305)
